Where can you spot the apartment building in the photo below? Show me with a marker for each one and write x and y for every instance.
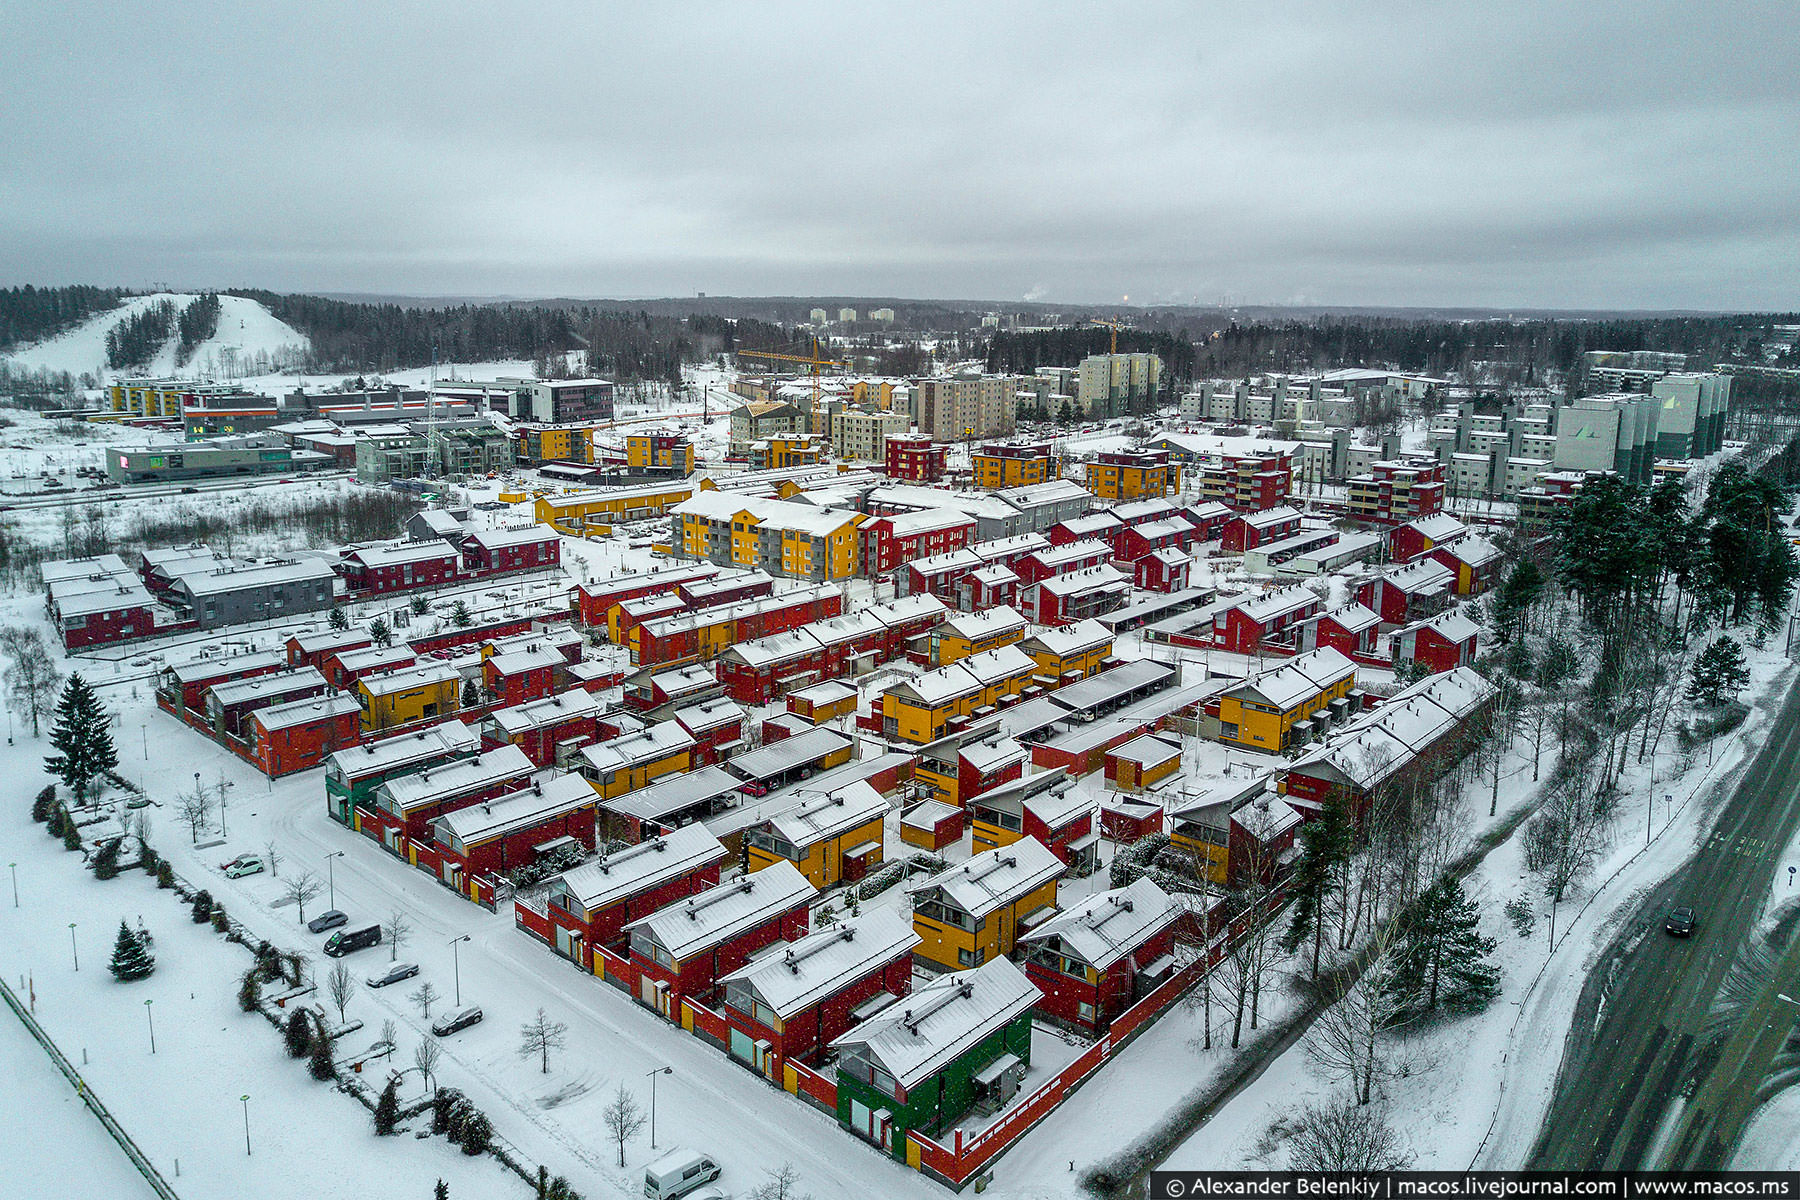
(785, 539)
(863, 436)
(958, 408)
(1010, 465)
(1107, 385)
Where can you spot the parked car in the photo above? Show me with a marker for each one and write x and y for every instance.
(394, 973)
(344, 941)
(455, 1019)
(243, 864)
(678, 1173)
(327, 920)
(190, 491)
(1681, 922)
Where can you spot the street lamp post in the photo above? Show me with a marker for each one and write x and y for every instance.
(246, 1103)
(14, 868)
(144, 733)
(73, 953)
(331, 876)
(456, 965)
(152, 1021)
(653, 1075)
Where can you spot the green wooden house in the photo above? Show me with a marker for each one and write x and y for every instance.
(353, 773)
(924, 1061)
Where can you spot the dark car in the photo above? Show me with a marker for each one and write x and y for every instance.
(327, 920)
(1681, 922)
(455, 1019)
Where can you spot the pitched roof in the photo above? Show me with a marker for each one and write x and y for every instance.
(994, 878)
(516, 811)
(1299, 678)
(721, 913)
(545, 712)
(457, 777)
(1106, 926)
(941, 1020)
(1379, 742)
(300, 712)
(817, 818)
(427, 745)
(405, 679)
(794, 976)
(640, 868)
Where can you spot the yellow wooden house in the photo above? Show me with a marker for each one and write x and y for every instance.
(831, 838)
(396, 698)
(1069, 653)
(975, 911)
(1286, 705)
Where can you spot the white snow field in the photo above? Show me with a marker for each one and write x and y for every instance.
(246, 330)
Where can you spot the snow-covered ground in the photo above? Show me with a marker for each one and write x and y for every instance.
(247, 334)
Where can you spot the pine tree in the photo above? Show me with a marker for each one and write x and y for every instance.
(339, 621)
(460, 615)
(296, 1034)
(131, 959)
(471, 694)
(81, 738)
(419, 605)
(1442, 955)
(1522, 589)
(320, 1063)
(441, 1191)
(59, 817)
(477, 1134)
(387, 1110)
(1718, 674)
(250, 990)
(380, 633)
(106, 859)
(202, 907)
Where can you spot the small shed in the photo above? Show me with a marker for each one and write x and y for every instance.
(1125, 821)
(1142, 763)
(931, 825)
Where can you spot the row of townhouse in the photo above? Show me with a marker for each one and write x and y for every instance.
(405, 565)
(980, 575)
(840, 647)
(704, 634)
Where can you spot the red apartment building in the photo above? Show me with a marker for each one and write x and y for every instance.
(915, 458)
(591, 905)
(687, 947)
(1097, 958)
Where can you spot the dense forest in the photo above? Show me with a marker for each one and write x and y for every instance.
(1023, 353)
(199, 320)
(31, 314)
(136, 339)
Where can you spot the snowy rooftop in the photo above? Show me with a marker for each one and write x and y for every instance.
(978, 625)
(1439, 527)
(1106, 926)
(531, 658)
(1055, 556)
(1001, 663)
(331, 639)
(1065, 640)
(1353, 618)
(219, 582)
(927, 520)
(1140, 512)
(789, 753)
(650, 744)
(516, 811)
(794, 976)
(640, 868)
(918, 606)
(395, 554)
(390, 683)
(975, 504)
(709, 714)
(1276, 603)
(831, 691)
(1300, 678)
(1091, 525)
(375, 758)
(1384, 739)
(1051, 796)
(456, 778)
(1098, 690)
(673, 793)
(994, 878)
(1424, 577)
(374, 658)
(300, 712)
(1093, 579)
(817, 818)
(941, 1020)
(938, 687)
(240, 691)
(498, 539)
(1451, 626)
(544, 712)
(1148, 750)
(719, 914)
(1279, 515)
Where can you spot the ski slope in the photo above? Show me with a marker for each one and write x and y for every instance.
(248, 338)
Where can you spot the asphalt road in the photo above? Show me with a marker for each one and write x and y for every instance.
(1632, 1054)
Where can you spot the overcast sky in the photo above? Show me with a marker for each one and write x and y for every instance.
(1568, 154)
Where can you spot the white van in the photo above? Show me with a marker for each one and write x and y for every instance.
(678, 1173)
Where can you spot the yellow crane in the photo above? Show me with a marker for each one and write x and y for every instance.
(817, 364)
(1115, 326)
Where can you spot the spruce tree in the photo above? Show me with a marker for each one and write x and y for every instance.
(380, 633)
(131, 959)
(71, 835)
(477, 1134)
(471, 694)
(441, 1191)
(1522, 589)
(320, 1063)
(106, 859)
(81, 737)
(250, 990)
(165, 874)
(1718, 674)
(460, 615)
(1325, 843)
(1442, 955)
(44, 804)
(296, 1034)
(202, 907)
(53, 825)
(387, 1110)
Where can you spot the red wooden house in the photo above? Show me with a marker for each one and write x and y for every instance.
(311, 649)
(1125, 821)
(1406, 594)
(1096, 527)
(1475, 560)
(964, 765)
(792, 1002)
(1438, 643)
(594, 600)
(1170, 533)
(1076, 596)
(230, 703)
(402, 808)
(890, 541)
(546, 728)
(1406, 542)
(1095, 959)
(510, 831)
(1208, 519)
(1350, 630)
(717, 727)
(1061, 560)
(591, 905)
(518, 676)
(496, 551)
(687, 947)
(184, 685)
(727, 588)
(906, 618)
(285, 738)
(1047, 806)
(400, 565)
(342, 668)
(1272, 618)
(1247, 531)
(1163, 571)
(651, 689)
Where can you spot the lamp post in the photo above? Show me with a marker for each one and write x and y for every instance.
(245, 1100)
(456, 965)
(14, 868)
(653, 1075)
(331, 876)
(152, 1021)
(144, 733)
(73, 953)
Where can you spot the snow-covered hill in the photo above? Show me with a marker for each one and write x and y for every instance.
(249, 340)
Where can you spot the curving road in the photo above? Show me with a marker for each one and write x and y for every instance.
(1631, 1057)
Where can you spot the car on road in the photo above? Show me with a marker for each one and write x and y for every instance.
(243, 864)
(327, 920)
(1681, 922)
(190, 491)
(394, 973)
(457, 1018)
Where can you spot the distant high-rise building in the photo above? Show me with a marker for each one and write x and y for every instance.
(1110, 384)
(1614, 432)
(956, 408)
(818, 316)
(847, 316)
(1690, 416)
(885, 315)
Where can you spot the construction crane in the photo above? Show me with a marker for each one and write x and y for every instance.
(1115, 326)
(817, 365)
